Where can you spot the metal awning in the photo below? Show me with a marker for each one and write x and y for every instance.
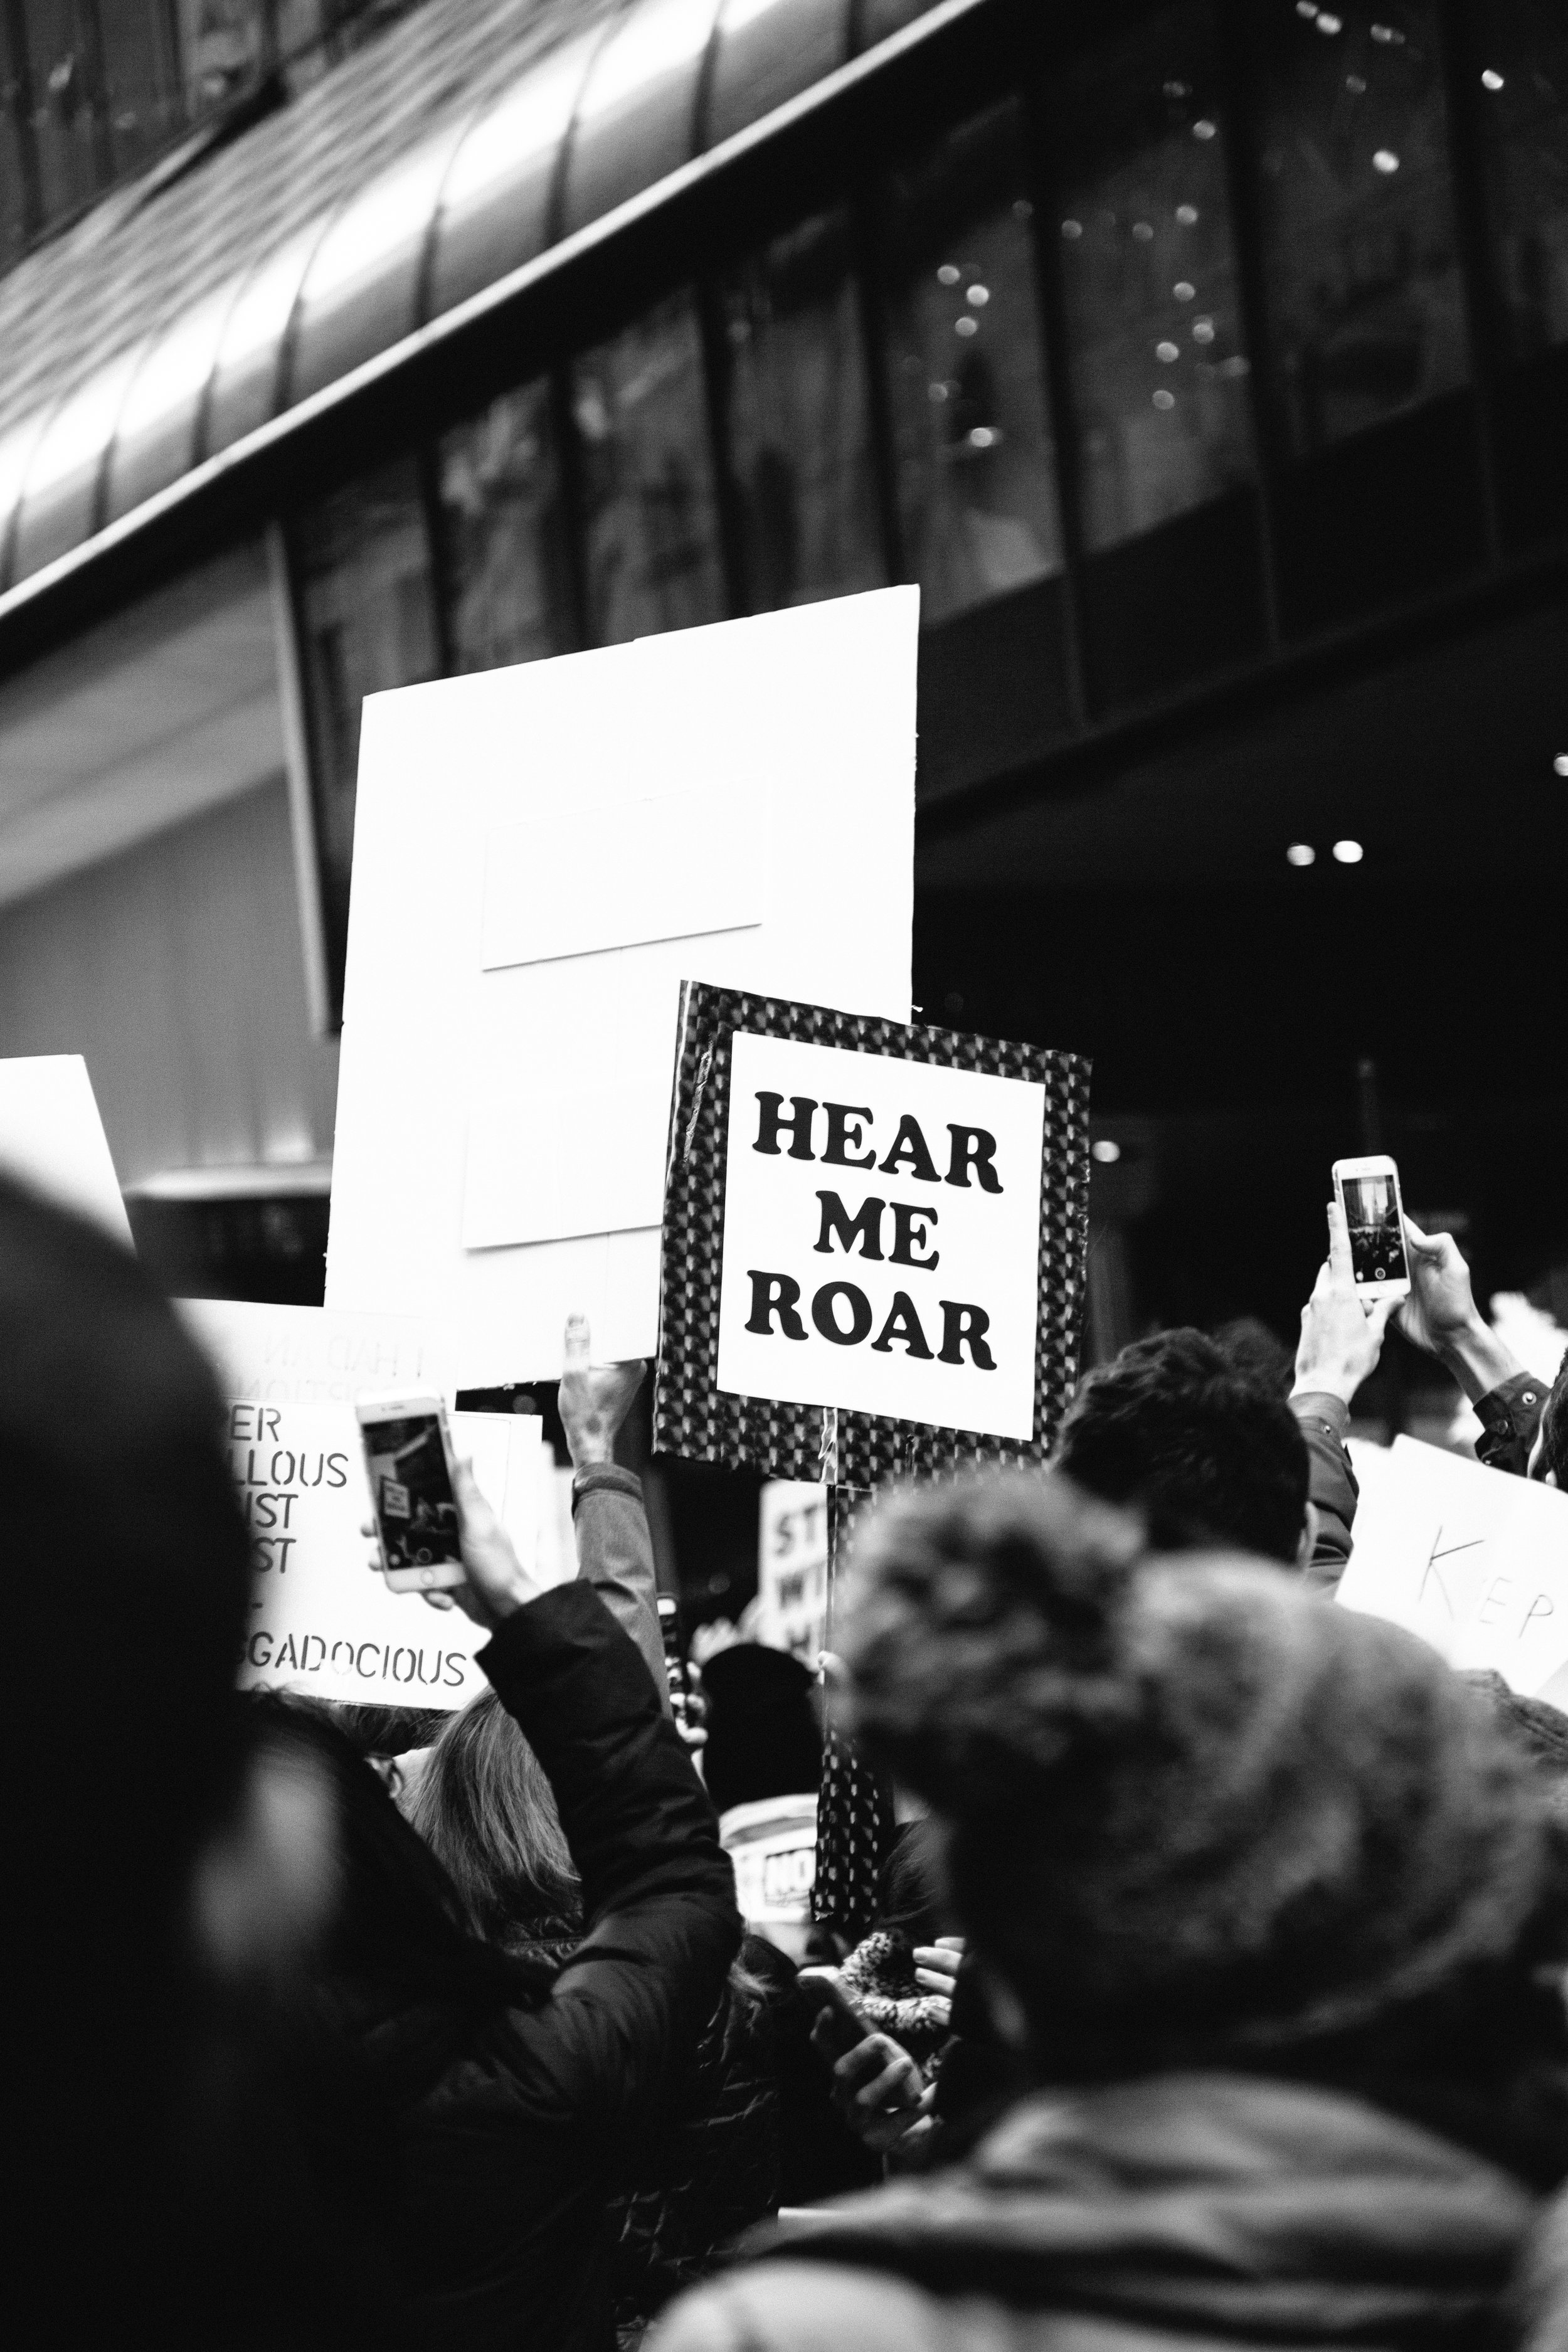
(624, 96)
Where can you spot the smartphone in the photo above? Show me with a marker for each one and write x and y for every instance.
(409, 1457)
(1368, 1192)
(674, 1654)
(822, 1988)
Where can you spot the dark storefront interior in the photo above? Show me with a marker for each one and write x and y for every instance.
(1202, 362)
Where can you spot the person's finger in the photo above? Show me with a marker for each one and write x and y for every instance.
(1340, 1245)
(437, 1601)
(367, 1527)
(951, 1944)
(893, 2087)
(575, 1352)
(1378, 1311)
(941, 1957)
(1424, 1245)
(935, 1980)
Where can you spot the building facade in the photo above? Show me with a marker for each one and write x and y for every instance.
(1203, 362)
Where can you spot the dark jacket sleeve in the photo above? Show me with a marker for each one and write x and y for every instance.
(1331, 1486)
(1509, 1416)
(614, 1554)
(658, 1891)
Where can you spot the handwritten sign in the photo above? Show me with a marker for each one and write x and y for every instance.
(792, 1568)
(1472, 1560)
(308, 1355)
(321, 1621)
(881, 1237)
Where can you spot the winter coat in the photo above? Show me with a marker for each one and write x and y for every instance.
(1156, 2216)
(509, 2125)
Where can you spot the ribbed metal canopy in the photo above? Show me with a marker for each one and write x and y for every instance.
(622, 97)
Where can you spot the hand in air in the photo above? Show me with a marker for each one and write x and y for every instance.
(879, 2091)
(495, 1581)
(1441, 1308)
(595, 1398)
(1342, 1333)
(936, 1967)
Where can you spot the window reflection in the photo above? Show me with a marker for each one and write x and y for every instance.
(651, 517)
(976, 490)
(1523, 111)
(798, 429)
(65, 115)
(367, 623)
(1360, 256)
(1149, 280)
(503, 550)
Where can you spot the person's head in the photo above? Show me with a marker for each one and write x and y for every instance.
(1191, 1814)
(764, 1737)
(127, 1574)
(485, 1809)
(1210, 1455)
(394, 1919)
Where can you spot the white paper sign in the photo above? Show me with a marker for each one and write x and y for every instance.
(792, 1568)
(321, 1620)
(664, 866)
(52, 1138)
(881, 1237)
(541, 854)
(1474, 1560)
(308, 1355)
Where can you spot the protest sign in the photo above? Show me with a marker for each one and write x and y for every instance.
(321, 1620)
(792, 1568)
(541, 854)
(52, 1138)
(882, 1222)
(307, 1355)
(1472, 1560)
(771, 1845)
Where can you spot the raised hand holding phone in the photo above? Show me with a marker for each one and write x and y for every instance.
(1341, 1327)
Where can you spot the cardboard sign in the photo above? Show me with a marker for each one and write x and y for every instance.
(541, 854)
(771, 1845)
(881, 1237)
(1472, 1560)
(873, 1243)
(792, 1568)
(308, 1355)
(52, 1138)
(323, 1622)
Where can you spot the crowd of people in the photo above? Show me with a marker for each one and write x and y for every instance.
(1215, 1988)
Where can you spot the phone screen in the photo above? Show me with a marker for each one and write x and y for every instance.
(1376, 1236)
(411, 1491)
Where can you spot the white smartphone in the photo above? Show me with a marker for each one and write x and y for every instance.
(408, 1456)
(1368, 1193)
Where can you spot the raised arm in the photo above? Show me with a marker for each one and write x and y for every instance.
(614, 1553)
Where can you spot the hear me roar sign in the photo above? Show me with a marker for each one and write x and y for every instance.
(881, 1237)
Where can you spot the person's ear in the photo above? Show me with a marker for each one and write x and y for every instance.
(1308, 1539)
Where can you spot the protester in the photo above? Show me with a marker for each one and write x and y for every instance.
(506, 2083)
(163, 1878)
(1262, 1898)
(1524, 1420)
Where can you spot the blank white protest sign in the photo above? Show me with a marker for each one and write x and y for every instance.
(541, 854)
(52, 1138)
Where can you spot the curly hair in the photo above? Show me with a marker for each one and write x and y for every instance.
(1186, 1806)
(1210, 1453)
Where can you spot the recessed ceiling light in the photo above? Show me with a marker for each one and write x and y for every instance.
(1561, 763)
(1105, 1151)
(1349, 853)
(1301, 853)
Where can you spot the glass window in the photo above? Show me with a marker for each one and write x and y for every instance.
(223, 43)
(141, 78)
(368, 622)
(1366, 307)
(503, 543)
(65, 106)
(798, 427)
(651, 519)
(976, 487)
(1523, 108)
(1155, 343)
(15, 222)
